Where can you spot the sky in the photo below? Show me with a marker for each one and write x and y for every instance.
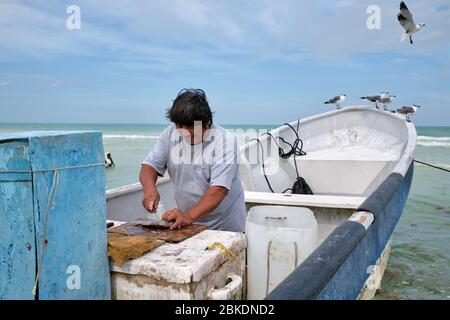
(259, 61)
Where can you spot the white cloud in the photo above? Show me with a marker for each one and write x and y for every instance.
(226, 39)
(176, 33)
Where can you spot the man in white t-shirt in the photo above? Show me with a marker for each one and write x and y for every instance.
(202, 161)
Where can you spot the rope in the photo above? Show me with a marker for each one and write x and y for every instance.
(221, 247)
(263, 165)
(53, 169)
(52, 197)
(295, 150)
(432, 166)
(51, 202)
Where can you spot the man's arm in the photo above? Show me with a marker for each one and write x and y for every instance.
(148, 177)
(154, 165)
(207, 204)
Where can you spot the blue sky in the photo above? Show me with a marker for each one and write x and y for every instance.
(259, 61)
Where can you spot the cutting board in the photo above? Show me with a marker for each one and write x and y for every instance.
(137, 228)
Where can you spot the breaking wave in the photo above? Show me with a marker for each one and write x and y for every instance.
(128, 136)
(428, 141)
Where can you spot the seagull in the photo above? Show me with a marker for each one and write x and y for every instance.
(408, 111)
(406, 20)
(337, 100)
(385, 99)
(109, 162)
(373, 99)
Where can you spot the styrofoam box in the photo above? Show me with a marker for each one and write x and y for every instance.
(185, 270)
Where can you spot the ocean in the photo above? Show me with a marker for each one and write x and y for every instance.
(419, 266)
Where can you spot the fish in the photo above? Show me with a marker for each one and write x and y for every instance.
(154, 224)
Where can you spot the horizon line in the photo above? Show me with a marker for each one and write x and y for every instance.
(163, 124)
(132, 123)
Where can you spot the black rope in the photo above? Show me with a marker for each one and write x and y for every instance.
(262, 164)
(300, 186)
(294, 150)
(432, 166)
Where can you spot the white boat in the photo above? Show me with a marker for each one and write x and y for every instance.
(359, 165)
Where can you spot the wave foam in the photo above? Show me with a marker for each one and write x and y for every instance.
(433, 144)
(433, 138)
(428, 141)
(128, 136)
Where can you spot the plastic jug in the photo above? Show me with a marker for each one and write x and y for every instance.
(279, 239)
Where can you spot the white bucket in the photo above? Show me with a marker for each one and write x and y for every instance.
(279, 239)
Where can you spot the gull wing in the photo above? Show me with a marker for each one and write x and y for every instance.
(334, 100)
(405, 23)
(404, 11)
(372, 98)
(405, 110)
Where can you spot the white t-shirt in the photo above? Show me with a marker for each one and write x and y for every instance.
(195, 168)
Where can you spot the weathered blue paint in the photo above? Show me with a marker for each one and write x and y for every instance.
(17, 262)
(76, 229)
(348, 281)
(338, 269)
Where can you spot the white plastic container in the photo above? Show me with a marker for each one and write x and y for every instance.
(279, 238)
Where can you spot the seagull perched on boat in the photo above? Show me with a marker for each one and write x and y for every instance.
(337, 100)
(408, 111)
(406, 21)
(385, 99)
(372, 99)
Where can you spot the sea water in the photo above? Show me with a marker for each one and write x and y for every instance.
(419, 266)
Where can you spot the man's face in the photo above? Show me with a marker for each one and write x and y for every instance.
(192, 134)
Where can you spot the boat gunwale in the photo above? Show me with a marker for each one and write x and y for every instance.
(406, 154)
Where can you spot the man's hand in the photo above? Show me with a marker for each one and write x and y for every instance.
(182, 219)
(151, 200)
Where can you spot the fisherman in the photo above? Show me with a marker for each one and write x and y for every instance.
(202, 161)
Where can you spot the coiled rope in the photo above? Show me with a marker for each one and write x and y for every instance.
(296, 149)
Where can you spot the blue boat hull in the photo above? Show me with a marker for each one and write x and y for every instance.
(351, 276)
(340, 267)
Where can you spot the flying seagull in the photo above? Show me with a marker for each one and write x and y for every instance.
(337, 100)
(406, 20)
(385, 99)
(408, 111)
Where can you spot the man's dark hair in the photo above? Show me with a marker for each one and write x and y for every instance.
(190, 105)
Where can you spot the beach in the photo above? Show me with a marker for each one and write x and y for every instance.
(419, 266)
